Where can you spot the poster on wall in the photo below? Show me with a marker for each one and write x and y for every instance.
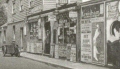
(112, 26)
(92, 29)
(112, 21)
(86, 48)
(98, 43)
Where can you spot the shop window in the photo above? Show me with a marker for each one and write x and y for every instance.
(60, 35)
(67, 29)
(73, 31)
(33, 29)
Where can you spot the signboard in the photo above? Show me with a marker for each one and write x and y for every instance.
(51, 17)
(73, 14)
(92, 34)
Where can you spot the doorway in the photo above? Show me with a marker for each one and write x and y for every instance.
(48, 37)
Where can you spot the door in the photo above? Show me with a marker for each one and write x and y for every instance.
(48, 37)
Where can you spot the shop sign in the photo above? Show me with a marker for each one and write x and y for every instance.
(73, 14)
(67, 9)
(39, 27)
(93, 34)
(92, 11)
(52, 17)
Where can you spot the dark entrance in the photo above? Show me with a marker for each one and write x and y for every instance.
(48, 37)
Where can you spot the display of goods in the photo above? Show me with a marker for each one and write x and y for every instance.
(56, 51)
(35, 48)
(68, 51)
(27, 46)
(73, 54)
(32, 48)
(51, 50)
(62, 51)
(39, 47)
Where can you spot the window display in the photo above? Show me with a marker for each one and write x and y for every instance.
(67, 29)
(33, 29)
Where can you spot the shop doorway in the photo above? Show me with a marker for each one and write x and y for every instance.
(21, 37)
(48, 37)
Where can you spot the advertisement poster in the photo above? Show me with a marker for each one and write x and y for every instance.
(92, 34)
(112, 27)
(86, 45)
(112, 21)
(98, 42)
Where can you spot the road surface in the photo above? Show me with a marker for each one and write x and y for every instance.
(9, 62)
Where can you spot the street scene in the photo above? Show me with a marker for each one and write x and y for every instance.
(59, 34)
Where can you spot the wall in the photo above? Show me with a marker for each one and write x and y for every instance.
(48, 4)
(9, 34)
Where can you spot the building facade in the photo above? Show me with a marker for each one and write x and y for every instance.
(64, 29)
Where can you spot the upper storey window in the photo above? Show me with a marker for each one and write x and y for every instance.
(31, 3)
(13, 7)
(63, 1)
(21, 5)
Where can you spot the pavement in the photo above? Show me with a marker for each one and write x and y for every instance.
(61, 63)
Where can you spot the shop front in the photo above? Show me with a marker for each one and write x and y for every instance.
(65, 34)
(47, 32)
(34, 34)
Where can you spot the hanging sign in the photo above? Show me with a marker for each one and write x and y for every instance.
(39, 29)
(73, 14)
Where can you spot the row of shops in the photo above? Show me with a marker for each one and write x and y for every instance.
(53, 32)
(74, 32)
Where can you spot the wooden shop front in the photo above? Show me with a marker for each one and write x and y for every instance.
(65, 33)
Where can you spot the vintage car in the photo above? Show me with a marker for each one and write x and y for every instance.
(11, 49)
